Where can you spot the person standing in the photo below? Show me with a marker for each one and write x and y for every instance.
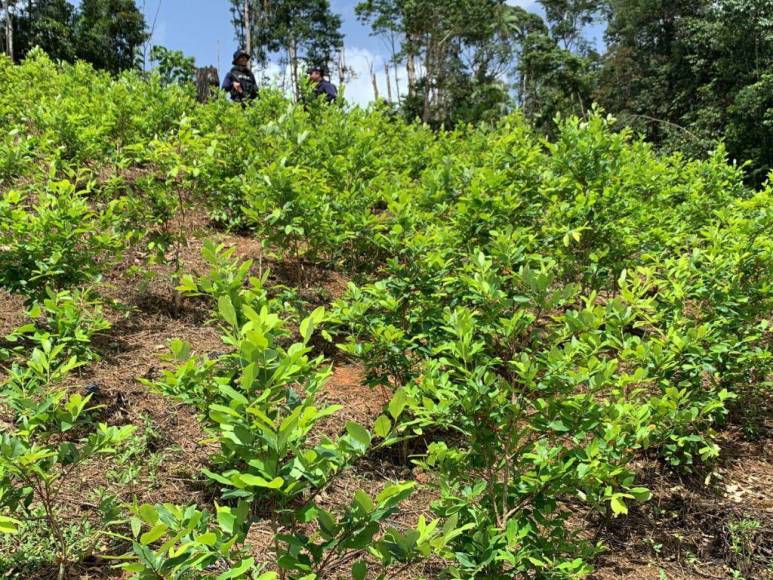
(322, 86)
(240, 83)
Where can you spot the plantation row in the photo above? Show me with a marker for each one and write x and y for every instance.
(542, 316)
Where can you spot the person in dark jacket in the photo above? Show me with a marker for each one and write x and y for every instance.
(240, 83)
(322, 86)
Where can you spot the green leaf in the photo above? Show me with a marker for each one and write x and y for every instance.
(148, 514)
(361, 499)
(397, 404)
(618, 505)
(640, 493)
(8, 525)
(393, 494)
(154, 534)
(240, 570)
(208, 539)
(309, 324)
(382, 426)
(248, 480)
(558, 425)
(359, 434)
(226, 309)
(359, 570)
(136, 525)
(225, 519)
(247, 381)
(327, 524)
(216, 477)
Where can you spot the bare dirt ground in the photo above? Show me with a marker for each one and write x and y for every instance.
(686, 531)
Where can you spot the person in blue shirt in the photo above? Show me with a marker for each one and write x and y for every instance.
(240, 83)
(322, 86)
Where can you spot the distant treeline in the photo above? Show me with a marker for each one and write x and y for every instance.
(688, 74)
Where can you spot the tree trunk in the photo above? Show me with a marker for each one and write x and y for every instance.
(394, 64)
(247, 28)
(429, 70)
(207, 83)
(292, 53)
(8, 29)
(342, 67)
(375, 83)
(388, 81)
(411, 64)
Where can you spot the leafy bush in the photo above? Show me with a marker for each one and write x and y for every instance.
(52, 239)
(260, 402)
(51, 436)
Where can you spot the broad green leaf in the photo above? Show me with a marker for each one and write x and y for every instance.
(359, 434)
(309, 324)
(208, 539)
(136, 525)
(327, 524)
(9, 525)
(382, 426)
(398, 490)
(618, 505)
(361, 499)
(240, 570)
(153, 534)
(226, 519)
(226, 309)
(148, 514)
(250, 480)
(359, 570)
(559, 426)
(397, 404)
(216, 477)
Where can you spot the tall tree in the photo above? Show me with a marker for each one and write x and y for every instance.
(48, 24)
(385, 18)
(568, 18)
(557, 66)
(103, 32)
(7, 28)
(689, 73)
(456, 53)
(109, 33)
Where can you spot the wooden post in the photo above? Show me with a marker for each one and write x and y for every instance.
(8, 29)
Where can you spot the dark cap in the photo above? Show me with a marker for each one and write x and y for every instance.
(318, 69)
(240, 53)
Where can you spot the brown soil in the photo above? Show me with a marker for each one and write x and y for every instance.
(684, 532)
